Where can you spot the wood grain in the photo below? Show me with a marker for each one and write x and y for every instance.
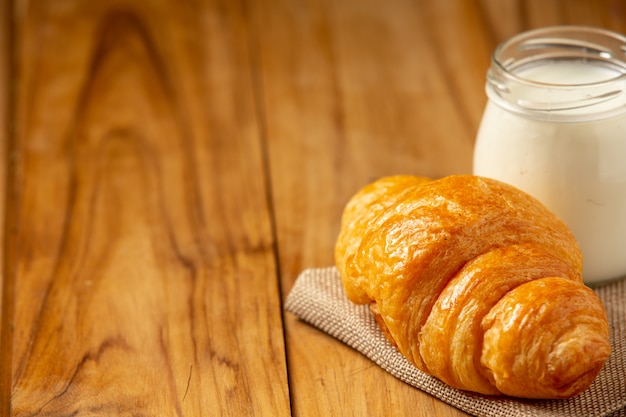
(171, 167)
(6, 285)
(146, 274)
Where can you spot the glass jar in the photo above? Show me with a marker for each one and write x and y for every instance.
(555, 126)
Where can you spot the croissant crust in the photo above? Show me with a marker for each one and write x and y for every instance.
(476, 283)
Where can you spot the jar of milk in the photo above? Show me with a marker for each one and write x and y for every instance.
(555, 127)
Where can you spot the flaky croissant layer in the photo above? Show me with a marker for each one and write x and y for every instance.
(476, 283)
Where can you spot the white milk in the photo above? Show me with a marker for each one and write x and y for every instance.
(568, 73)
(577, 169)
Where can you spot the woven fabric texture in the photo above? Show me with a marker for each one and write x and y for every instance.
(317, 297)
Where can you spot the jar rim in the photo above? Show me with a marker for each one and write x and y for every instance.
(577, 100)
(564, 40)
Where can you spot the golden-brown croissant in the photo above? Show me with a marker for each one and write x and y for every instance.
(476, 283)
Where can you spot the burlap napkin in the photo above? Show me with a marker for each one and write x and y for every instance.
(317, 297)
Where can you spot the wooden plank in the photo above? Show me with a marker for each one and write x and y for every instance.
(146, 277)
(6, 287)
(504, 19)
(354, 90)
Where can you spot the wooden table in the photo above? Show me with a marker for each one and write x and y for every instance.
(171, 166)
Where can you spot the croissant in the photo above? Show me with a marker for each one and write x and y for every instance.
(475, 283)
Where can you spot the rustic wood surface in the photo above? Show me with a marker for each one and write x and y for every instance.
(171, 166)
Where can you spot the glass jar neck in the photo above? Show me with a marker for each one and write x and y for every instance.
(563, 73)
